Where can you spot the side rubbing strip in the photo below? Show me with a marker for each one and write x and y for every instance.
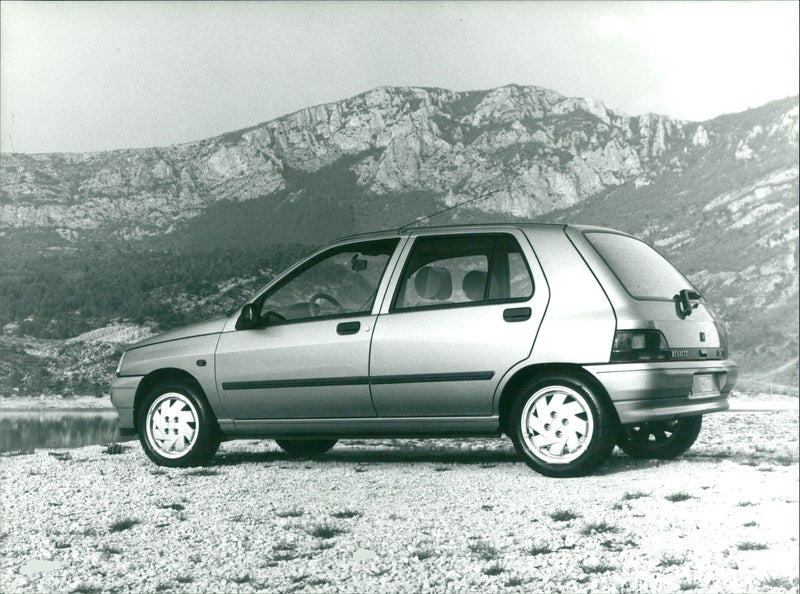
(432, 377)
(300, 383)
(360, 381)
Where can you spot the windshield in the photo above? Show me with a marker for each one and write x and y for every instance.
(643, 272)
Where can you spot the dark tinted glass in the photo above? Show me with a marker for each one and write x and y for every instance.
(644, 272)
(511, 278)
(341, 281)
(455, 269)
(438, 267)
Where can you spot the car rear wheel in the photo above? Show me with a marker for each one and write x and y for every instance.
(561, 427)
(662, 440)
(177, 427)
(304, 448)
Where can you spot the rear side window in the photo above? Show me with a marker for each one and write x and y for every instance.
(511, 278)
(643, 272)
(463, 270)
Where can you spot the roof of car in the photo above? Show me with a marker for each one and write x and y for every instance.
(407, 230)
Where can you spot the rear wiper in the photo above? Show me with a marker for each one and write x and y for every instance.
(686, 301)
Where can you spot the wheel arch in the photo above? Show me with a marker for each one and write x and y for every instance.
(152, 379)
(542, 370)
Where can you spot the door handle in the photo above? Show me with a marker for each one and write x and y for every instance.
(348, 328)
(517, 314)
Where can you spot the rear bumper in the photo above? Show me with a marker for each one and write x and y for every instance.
(123, 394)
(663, 390)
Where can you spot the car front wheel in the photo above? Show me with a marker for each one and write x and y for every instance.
(661, 440)
(177, 427)
(561, 427)
(305, 448)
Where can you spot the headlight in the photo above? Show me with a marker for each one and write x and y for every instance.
(639, 345)
(119, 365)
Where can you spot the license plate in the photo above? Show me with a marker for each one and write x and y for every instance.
(704, 385)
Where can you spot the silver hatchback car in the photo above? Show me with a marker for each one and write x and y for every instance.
(568, 339)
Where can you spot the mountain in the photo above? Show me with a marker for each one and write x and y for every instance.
(161, 236)
(543, 151)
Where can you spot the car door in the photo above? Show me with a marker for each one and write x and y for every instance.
(311, 358)
(464, 311)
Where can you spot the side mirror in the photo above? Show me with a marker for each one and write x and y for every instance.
(248, 318)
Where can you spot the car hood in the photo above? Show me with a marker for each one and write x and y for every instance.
(198, 329)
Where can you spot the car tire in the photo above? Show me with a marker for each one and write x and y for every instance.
(561, 427)
(660, 440)
(306, 448)
(177, 427)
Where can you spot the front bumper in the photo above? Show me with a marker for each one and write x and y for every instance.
(657, 391)
(123, 394)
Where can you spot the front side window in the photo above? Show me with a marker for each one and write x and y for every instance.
(341, 281)
(462, 270)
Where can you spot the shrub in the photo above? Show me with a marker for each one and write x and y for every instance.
(598, 528)
(325, 531)
(121, 525)
(677, 497)
(483, 550)
(778, 582)
(346, 514)
(423, 553)
(494, 569)
(563, 516)
(174, 506)
(629, 495)
(668, 560)
(596, 567)
(751, 546)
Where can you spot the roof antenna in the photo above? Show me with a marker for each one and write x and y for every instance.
(402, 229)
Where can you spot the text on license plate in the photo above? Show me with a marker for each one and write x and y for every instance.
(704, 384)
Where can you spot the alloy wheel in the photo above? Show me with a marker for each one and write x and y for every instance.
(172, 425)
(557, 424)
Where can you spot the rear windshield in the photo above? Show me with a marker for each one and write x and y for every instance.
(643, 272)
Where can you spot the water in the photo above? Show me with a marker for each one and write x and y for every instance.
(56, 428)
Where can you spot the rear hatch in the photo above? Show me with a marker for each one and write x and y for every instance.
(649, 293)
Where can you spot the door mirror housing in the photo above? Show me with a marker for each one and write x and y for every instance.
(248, 319)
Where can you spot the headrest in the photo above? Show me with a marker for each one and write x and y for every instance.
(474, 285)
(433, 282)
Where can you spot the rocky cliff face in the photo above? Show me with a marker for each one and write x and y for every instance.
(542, 150)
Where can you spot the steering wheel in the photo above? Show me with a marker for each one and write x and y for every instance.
(317, 296)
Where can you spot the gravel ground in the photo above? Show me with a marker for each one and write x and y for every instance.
(408, 516)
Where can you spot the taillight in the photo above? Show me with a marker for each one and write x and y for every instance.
(639, 345)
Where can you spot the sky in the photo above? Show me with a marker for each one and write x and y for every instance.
(80, 77)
